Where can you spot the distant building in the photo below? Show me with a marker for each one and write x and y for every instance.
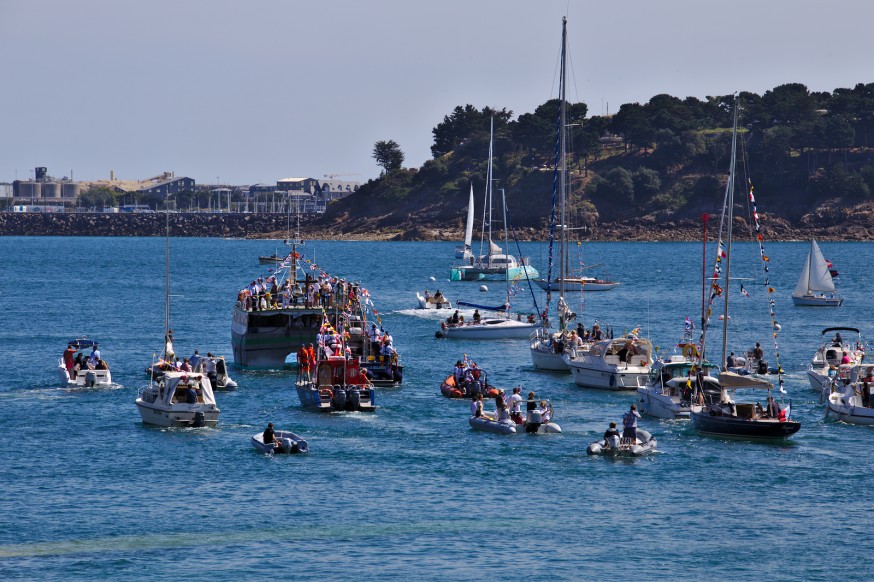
(255, 189)
(170, 186)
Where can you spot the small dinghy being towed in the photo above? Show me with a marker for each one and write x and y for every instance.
(289, 442)
(618, 447)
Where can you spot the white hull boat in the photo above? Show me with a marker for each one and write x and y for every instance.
(180, 399)
(617, 364)
(849, 409)
(815, 287)
(84, 378)
(488, 328)
(433, 302)
(290, 443)
(826, 362)
(644, 444)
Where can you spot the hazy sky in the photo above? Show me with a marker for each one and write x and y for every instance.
(254, 91)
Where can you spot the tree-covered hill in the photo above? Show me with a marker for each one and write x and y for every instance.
(810, 156)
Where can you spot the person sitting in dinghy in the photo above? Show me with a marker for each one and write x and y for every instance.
(610, 433)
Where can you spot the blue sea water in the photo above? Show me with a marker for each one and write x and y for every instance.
(89, 493)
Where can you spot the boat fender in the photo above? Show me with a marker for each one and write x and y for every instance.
(90, 379)
(594, 449)
(612, 380)
(199, 420)
(326, 393)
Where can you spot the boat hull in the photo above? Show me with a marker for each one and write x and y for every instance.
(817, 301)
(85, 378)
(473, 273)
(489, 329)
(653, 403)
(609, 379)
(577, 286)
(291, 443)
(325, 401)
(735, 427)
(264, 339)
(544, 359)
(486, 424)
(180, 415)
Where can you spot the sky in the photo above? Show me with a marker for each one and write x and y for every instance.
(242, 92)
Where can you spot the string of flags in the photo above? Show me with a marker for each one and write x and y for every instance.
(765, 260)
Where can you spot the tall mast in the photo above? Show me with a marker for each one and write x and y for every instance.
(730, 215)
(167, 269)
(489, 186)
(563, 252)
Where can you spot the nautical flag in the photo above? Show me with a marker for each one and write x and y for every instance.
(688, 325)
(743, 291)
(784, 414)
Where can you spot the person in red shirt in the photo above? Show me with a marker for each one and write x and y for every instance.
(303, 363)
(311, 352)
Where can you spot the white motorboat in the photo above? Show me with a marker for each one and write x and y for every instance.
(645, 443)
(828, 357)
(487, 328)
(815, 287)
(669, 387)
(852, 402)
(78, 371)
(615, 364)
(289, 443)
(436, 301)
(180, 399)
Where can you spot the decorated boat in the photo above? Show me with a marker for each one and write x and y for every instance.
(670, 385)
(339, 385)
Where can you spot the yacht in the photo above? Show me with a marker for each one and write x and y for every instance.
(179, 399)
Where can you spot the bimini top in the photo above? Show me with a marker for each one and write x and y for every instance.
(82, 343)
(830, 329)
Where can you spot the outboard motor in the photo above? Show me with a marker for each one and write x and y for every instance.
(613, 442)
(763, 367)
(339, 400)
(199, 420)
(353, 399)
(90, 379)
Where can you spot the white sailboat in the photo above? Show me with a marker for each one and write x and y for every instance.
(815, 287)
(464, 252)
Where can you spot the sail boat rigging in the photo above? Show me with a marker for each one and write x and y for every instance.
(464, 251)
(714, 412)
(494, 263)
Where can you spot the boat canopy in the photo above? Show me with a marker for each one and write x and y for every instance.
(173, 380)
(82, 343)
(732, 380)
(501, 308)
(831, 329)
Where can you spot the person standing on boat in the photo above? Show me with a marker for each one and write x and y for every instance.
(195, 360)
(629, 424)
(516, 405)
(730, 361)
(311, 357)
(758, 352)
(597, 334)
(68, 361)
(476, 316)
(303, 363)
(210, 367)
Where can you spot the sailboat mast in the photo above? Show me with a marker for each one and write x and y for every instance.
(563, 252)
(506, 242)
(730, 213)
(489, 186)
(167, 270)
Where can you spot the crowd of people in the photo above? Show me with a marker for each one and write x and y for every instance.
(78, 362)
(322, 291)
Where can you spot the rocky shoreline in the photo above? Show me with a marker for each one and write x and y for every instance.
(857, 226)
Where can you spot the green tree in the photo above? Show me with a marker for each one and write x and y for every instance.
(102, 197)
(388, 155)
(463, 123)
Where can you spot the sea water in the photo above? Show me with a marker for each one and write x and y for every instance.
(88, 492)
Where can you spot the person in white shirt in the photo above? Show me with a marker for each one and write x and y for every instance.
(516, 405)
